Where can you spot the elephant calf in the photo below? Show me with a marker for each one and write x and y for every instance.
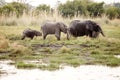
(88, 28)
(54, 28)
(30, 33)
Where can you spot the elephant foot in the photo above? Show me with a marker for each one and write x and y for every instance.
(58, 39)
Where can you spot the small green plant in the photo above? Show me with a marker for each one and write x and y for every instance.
(64, 49)
(95, 52)
(112, 61)
(48, 50)
(24, 65)
(75, 62)
(51, 66)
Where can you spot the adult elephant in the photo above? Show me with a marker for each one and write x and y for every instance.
(88, 28)
(54, 28)
(30, 33)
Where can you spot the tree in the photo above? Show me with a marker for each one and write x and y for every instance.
(14, 7)
(71, 8)
(7, 10)
(113, 12)
(66, 9)
(43, 8)
(20, 8)
(95, 9)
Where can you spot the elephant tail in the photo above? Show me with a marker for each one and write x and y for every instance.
(102, 33)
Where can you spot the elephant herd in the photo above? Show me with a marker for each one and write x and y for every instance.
(76, 28)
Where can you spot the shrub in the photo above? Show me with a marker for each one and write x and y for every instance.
(4, 43)
(64, 49)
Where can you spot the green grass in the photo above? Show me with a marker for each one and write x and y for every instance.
(73, 52)
(24, 65)
(51, 66)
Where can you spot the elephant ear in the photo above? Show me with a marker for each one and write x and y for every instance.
(58, 24)
(37, 33)
(89, 27)
(62, 27)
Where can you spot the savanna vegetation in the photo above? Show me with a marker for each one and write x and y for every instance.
(52, 54)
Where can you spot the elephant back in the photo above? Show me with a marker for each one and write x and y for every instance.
(49, 27)
(77, 28)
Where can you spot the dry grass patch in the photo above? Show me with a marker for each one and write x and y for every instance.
(4, 43)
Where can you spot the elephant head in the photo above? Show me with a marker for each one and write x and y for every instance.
(62, 27)
(94, 28)
(37, 33)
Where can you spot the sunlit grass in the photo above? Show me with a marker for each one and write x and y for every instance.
(24, 65)
(73, 52)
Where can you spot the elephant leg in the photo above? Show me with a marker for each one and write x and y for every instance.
(44, 36)
(91, 34)
(68, 35)
(88, 33)
(95, 34)
(32, 37)
(23, 37)
(57, 36)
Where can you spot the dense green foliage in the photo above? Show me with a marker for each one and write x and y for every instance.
(89, 8)
(72, 8)
(113, 12)
(13, 8)
(95, 9)
(43, 7)
(68, 9)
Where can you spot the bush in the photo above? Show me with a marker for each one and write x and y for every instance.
(13, 8)
(95, 9)
(72, 8)
(24, 65)
(64, 49)
(113, 12)
(43, 8)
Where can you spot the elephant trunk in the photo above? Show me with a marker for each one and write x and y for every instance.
(102, 33)
(68, 35)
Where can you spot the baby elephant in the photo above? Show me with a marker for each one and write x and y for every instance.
(30, 33)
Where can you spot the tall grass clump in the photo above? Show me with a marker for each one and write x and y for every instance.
(24, 65)
(4, 43)
(8, 21)
(31, 19)
(19, 50)
(64, 49)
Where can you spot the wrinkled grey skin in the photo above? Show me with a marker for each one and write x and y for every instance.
(30, 33)
(54, 28)
(89, 28)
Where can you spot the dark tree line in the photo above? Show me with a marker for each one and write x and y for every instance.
(69, 9)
